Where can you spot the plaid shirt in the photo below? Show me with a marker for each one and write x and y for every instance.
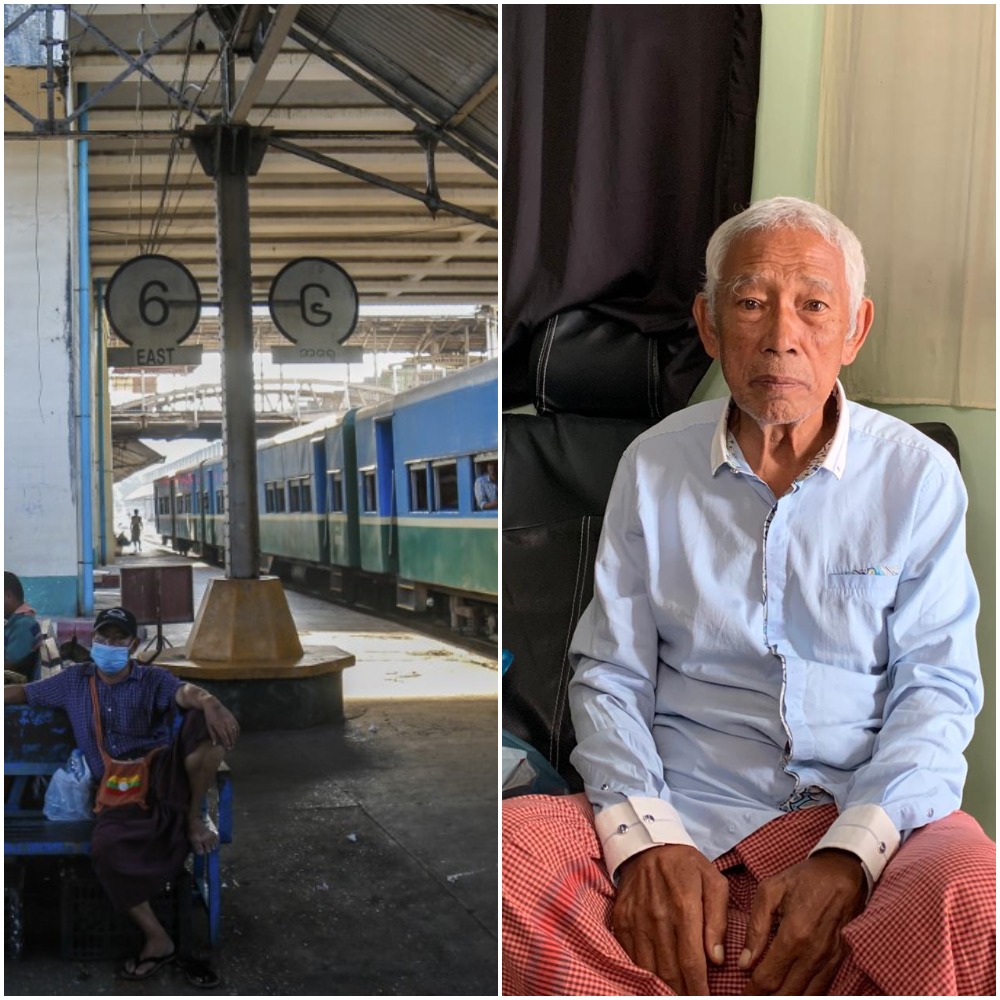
(134, 711)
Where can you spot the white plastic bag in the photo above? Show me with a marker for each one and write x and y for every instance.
(70, 793)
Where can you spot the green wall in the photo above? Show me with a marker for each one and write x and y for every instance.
(785, 163)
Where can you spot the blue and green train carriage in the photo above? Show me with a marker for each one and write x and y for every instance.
(378, 507)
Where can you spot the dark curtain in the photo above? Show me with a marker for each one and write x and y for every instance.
(628, 137)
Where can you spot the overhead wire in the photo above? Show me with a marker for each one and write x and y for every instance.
(174, 143)
(295, 76)
(185, 187)
(167, 223)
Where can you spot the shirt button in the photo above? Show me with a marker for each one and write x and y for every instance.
(605, 787)
(732, 828)
(623, 827)
(647, 818)
(930, 813)
(881, 848)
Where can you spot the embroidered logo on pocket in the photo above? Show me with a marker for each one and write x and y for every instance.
(871, 571)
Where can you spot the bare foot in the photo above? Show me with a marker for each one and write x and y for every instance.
(202, 835)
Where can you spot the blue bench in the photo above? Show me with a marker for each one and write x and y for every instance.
(38, 741)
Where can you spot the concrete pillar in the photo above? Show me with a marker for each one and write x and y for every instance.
(232, 154)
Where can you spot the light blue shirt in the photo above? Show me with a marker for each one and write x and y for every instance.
(486, 491)
(744, 655)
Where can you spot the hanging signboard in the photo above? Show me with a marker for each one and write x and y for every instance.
(153, 304)
(314, 303)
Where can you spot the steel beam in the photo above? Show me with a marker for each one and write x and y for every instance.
(277, 32)
(385, 95)
(432, 203)
(139, 65)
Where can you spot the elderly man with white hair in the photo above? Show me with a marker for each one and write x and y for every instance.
(774, 682)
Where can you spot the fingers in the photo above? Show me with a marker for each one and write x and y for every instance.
(715, 901)
(222, 728)
(225, 735)
(691, 953)
(819, 985)
(762, 913)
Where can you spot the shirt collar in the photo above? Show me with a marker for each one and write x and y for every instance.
(835, 460)
(90, 670)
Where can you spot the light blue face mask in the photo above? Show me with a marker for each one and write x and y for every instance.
(110, 659)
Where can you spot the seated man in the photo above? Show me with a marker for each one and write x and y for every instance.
(485, 488)
(774, 682)
(138, 846)
(22, 635)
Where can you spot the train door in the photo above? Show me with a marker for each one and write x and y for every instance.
(172, 488)
(201, 508)
(210, 521)
(319, 465)
(385, 460)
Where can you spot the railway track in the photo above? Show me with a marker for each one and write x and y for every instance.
(409, 620)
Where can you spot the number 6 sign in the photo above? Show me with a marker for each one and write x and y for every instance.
(153, 301)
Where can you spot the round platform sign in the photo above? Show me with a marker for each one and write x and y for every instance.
(153, 301)
(314, 302)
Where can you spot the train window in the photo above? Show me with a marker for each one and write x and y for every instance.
(484, 485)
(335, 484)
(274, 498)
(299, 495)
(446, 485)
(220, 501)
(419, 483)
(368, 494)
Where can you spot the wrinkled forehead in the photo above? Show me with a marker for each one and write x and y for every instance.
(786, 255)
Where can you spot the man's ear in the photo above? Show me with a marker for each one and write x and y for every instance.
(706, 328)
(863, 323)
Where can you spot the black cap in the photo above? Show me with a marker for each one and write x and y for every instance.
(125, 620)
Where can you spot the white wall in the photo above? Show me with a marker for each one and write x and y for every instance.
(40, 477)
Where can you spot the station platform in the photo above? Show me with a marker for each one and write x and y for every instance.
(364, 859)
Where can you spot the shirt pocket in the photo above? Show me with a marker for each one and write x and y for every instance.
(855, 613)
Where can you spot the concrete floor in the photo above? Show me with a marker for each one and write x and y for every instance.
(364, 859)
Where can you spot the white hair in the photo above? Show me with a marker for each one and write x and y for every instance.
(787, 213)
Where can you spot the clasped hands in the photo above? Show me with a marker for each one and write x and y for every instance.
(671, 911)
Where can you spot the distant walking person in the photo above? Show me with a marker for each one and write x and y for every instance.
(136, 532)
(485, 488)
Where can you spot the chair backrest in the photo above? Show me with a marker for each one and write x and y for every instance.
(558, 471)
(35, 736)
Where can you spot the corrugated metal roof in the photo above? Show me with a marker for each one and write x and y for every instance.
(437, 56)
(350, 178)
(24, 47)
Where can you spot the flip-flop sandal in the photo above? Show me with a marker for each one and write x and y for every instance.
(154, 963)
(200, 974)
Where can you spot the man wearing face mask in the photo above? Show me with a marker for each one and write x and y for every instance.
(149, 817)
